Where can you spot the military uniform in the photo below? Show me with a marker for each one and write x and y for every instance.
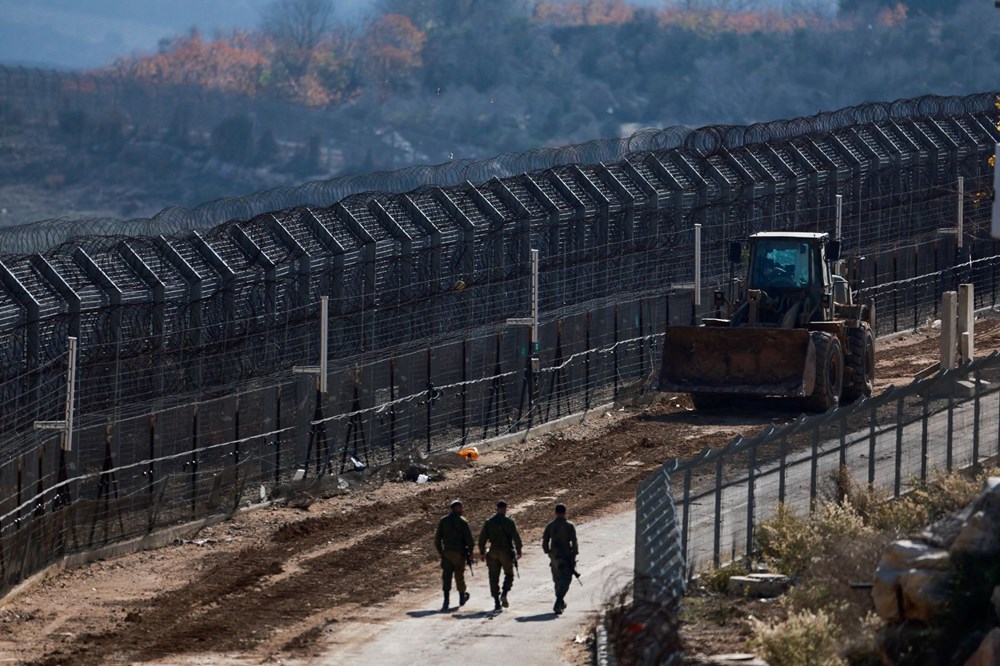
(559, 543)
(505, 544)
(453, 541)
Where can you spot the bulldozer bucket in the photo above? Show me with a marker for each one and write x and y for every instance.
(738, 361)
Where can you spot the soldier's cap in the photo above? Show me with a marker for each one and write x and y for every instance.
(560, 508)
(501, 504)
(456, 502)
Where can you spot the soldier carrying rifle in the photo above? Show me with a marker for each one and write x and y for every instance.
(505, 547)
(453, 541)
(560, 544)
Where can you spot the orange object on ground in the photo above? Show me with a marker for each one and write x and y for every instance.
(471, 453)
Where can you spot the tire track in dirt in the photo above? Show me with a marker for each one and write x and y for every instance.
(233, 606)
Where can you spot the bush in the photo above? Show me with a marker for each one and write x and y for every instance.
(73, 122)
(787, 542)
(804, 639)
(717, 580)
(232, 139)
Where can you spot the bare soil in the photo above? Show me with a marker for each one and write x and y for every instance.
(268, 583)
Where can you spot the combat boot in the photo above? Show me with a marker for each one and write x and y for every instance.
(503, 600)
(463, 597)
(496, 605)
(444, 607)
(559, 606)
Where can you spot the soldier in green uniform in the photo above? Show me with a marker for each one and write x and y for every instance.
(560, 544)
(505, 545)
(453, 541)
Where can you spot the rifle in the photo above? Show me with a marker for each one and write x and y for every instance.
(576, 574)
(468, 560)
(513, 554)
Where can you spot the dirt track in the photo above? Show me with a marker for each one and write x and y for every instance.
(267, 584)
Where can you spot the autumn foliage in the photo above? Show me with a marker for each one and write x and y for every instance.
(387, 54)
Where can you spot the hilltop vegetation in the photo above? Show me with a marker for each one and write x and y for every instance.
(309, 96)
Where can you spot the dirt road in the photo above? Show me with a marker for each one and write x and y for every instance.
(276, 584)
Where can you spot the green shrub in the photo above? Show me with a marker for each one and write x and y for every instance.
(787, 542)
(804, 639)
(717, 579)
(838, 520)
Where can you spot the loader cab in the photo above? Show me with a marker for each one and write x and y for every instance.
(792, 276)
(786, 263)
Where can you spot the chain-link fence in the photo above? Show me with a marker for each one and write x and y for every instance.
(700, 513)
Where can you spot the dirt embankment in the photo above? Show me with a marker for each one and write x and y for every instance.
(268, 582)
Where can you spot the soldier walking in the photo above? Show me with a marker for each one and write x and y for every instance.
(505, 545)
(560, 544)
(453, 541)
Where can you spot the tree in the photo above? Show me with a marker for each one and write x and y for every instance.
(296, 28)
(393, 45)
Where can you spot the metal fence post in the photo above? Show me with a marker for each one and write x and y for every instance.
(717, 539)
(686, 517)
(871, 445)
(976, 411)
(924, 434)
(899, 447)
(813, 468)
(752, 464)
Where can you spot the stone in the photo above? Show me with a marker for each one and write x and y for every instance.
(980, 536)
(759, 585)
(901, 553)
(886, 593)
(937, 558)
(988, 653)
(926, 594)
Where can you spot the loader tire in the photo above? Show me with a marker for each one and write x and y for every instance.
(859, 379)
(829, 372)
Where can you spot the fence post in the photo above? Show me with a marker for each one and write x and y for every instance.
(951, 429)
(895, 291)
(686, 518)
(750, 495)
(923, 434)
(813, 468)
(977, 408)
(871, 445)
(151, 471)
(277, 434)
(899, 446)
(194, 461)
(430, 399)
(781, 469)
(717, 537)
(843, 440)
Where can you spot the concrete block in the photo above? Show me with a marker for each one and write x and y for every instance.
(759, 585)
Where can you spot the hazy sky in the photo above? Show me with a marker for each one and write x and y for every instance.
(91, 33)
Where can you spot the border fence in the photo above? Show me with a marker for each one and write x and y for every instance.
(187, 401)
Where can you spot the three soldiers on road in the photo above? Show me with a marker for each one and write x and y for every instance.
(453, 541)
